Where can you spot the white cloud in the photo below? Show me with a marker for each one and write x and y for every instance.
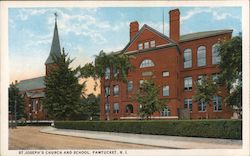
(24, 14)
(216, 13)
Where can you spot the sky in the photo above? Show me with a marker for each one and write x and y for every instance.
(84, 32)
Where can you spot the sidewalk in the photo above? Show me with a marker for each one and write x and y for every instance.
(152, 140)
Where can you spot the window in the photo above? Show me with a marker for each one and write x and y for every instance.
(215, 54)
(107, 73)
(130, 86)
(165, 112)
(116, 90)
(140, 46)
(116, 108)
(215, 78)
(129, 108)
(188, 104)
(188, 83)
(217, 101)
(147, 73)
(147, 63)
(146, 45)
(187, 58)
(34, 104)
(200, 78)
(201, 56)
(202, 106)
(107, 91)
(165, 91)
(115, 72)
(165, 73)
(152, 43)
(107, 108)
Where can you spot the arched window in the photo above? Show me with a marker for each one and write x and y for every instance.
(215, 54)
(147, 63)
(187, 58)
(201, 56)
(129, 108)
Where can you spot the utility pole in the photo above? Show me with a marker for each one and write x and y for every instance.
(15, 113)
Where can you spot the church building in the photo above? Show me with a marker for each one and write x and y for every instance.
(175, 63)
(32, 89)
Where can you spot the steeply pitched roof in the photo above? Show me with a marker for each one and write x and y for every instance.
(203, 34)
(30, 84)
(55, 47)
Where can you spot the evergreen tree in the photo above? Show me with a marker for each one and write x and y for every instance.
(231, 74)
(147, 97)
(63, 91)
(91, 107)
(16, 102)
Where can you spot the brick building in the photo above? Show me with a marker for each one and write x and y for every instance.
(175, 63)
(32, 90)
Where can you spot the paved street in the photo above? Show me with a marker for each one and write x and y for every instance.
(30, 138)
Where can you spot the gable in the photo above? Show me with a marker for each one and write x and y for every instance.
(147, 34)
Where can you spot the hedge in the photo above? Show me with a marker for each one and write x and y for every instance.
(227, 129)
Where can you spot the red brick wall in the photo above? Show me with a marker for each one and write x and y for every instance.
(167, 59)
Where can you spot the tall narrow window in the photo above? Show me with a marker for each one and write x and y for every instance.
(147, 63)
(130, 86)
(217, 101)
(215, 54)
(140, 46)
(201, 56)
(165, 91)
(146, 45)
(200, 78)
(202, 106)
(215, 78)
(188, 104)
(152, 43)
(34, 104)
(188, 83)
(107, 91)
(107, 108)
(116, 108)
(116, 90)
(107, 73)
(115, 72)
(187, 58)
(165, 112)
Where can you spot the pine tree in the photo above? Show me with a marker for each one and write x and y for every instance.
(63, 91)
(16, 102)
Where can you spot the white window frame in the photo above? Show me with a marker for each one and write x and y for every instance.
(217, 102)
(200, 78)
(152, 44)
(147, 63)
(34, 104)
(201, 56)
(165, 73)
(146, 45)
(202, 105)
(130, 86)
(188, 84)
(107, 73)
(165, 90)
(188, 103)
(107, 91)
(107, 108)
(140, 46)
(165, 112)
(216, 58)
(116, 90)
(187, 61)
(215, 78)
(116, 108)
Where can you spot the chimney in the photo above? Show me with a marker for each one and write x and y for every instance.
(134, 28)
(174, 22)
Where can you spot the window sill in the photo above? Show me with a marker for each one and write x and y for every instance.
(218, 111)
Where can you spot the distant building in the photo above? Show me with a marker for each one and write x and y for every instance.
(32, 90)
(175, 63)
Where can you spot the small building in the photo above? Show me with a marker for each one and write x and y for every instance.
(175, 63)
(33, 90)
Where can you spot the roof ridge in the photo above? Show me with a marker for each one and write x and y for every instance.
(208, 31)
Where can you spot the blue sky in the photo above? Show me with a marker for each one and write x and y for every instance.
(84, 32)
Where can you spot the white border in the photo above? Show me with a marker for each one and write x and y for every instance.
(4, 5)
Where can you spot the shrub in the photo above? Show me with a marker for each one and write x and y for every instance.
(227, 129)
